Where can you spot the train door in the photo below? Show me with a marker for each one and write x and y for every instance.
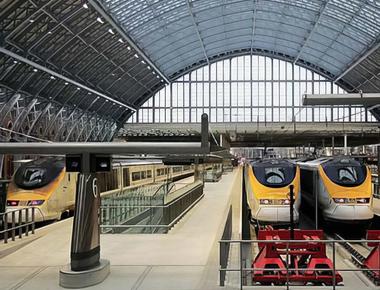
(126, 177)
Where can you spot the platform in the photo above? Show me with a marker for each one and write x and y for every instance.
(185, 258)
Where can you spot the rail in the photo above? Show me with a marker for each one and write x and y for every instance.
(25, 219)
(243, 271)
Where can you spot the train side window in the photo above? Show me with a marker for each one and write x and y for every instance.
(68, 177)
(143, 174)
(136, 176)
(149, 174)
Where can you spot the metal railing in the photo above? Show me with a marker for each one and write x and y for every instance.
(224, 249)
(16, 221)
(244, 272)
(148, 214)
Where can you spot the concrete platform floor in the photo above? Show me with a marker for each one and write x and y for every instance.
(185, 258)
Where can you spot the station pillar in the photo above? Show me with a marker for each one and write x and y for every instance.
(345, 144)
(85, 268)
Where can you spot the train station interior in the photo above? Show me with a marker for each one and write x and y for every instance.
(189, 144)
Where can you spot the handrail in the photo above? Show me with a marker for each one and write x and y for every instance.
(156, 226)
(21, 223)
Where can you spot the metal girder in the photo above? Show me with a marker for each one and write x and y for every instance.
(165, 148)
(7, 108)
(62, 77)
(37, 119)
(358, 61)
(255, 3)
(315, 25)
(365, 100)
(100, 9)
(79, 118)
(23, 114)
(197, 31)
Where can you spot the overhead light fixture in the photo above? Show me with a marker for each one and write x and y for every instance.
(52, 77)
(120, 40)
(143, 62)
(49, 32)
(110, 31)
(154, 73)
(157, 77)
(66, 83)
(15, 61)
(99, 20)
(35, 70)
(78, 89)
(136, 56)
(128, 47)
(31, 20)
(85, 6)
(148, 67)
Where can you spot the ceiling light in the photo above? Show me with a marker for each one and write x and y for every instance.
(128, 47)
(78, 89)
(110, 31)
(143, 62)
(88, 93)
(66, 83)
(49, 32)
(158, 77)
(85, 6)
(31, 20)
(35, 70)
(148, 67)
(120, 40)
(15, 61)
(136, 56)
(99, 20)
(52, 77)
(154, 73)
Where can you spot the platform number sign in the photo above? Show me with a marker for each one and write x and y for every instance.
(95, 187)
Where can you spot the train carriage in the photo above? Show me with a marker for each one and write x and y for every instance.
(340, 186)
(267, 187)
(45, 184)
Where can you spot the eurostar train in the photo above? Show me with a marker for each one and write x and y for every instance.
(45, 184)
(342, 187)
(267, 187)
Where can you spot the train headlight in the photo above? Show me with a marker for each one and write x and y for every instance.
(35, 202)
(340, 200)
(285, 201)
(265, 201)
(362, 200)
(12, 202)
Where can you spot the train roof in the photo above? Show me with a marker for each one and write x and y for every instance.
(272, 162)
(323, 160)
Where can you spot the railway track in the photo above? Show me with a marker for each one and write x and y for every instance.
(358, 259)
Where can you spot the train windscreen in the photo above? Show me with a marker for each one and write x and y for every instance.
(275, 173)
(38, 173)
(345, 172)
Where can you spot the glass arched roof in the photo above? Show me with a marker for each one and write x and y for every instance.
(178, 34)
(97, 55)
